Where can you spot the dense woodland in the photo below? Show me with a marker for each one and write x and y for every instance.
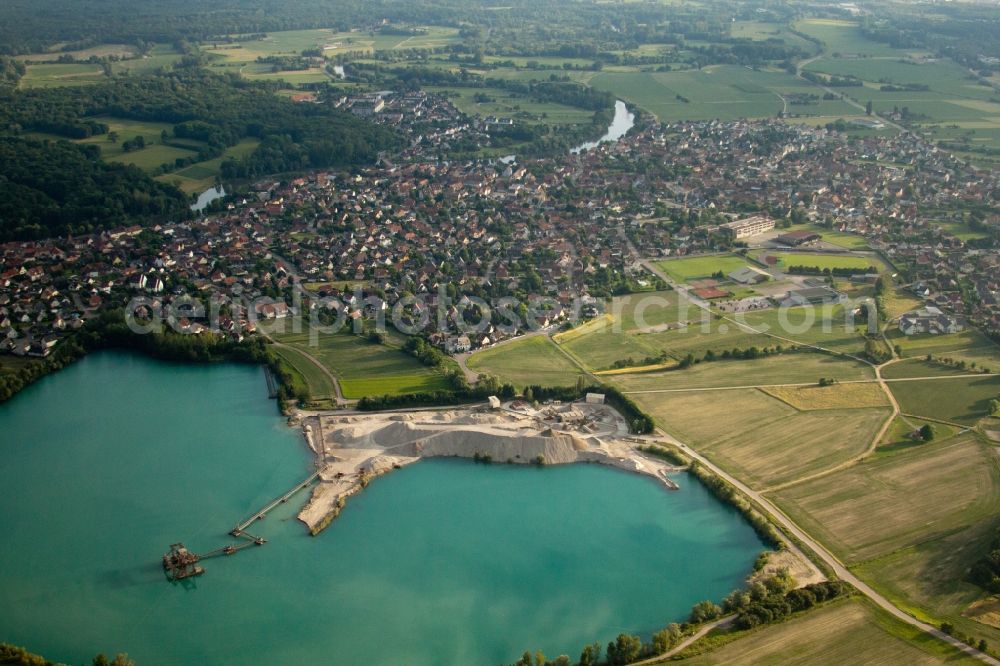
(56, 187)
(44, 197)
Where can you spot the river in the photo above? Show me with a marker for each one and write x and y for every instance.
(207, 197)
(622, 122)
(108, 462)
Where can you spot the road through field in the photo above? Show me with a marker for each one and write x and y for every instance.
(829, 558)
(784, 521)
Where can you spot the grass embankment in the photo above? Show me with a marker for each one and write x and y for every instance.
(364, 368)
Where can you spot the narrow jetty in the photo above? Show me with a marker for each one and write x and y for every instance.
(180, 563)
(260, 515)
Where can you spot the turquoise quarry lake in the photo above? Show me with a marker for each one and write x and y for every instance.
(108, 462)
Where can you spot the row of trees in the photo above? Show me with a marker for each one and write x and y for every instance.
(767, 600)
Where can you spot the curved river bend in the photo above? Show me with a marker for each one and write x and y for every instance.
(109, 461)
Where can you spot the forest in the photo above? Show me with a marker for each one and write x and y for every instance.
(44, 197)
(55, 188)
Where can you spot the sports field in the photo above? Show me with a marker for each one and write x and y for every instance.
(691, 268)
(897, 501)
(824, 261)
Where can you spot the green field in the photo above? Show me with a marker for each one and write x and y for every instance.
(691, 268)
(829, 326)
(848, 631)
(844, 38)
(842, 239)
(202, 175)
(320, 387)
(241, 56)
(54, 75)
(784, 369)
(955, 399)
(954, 108)
(514, 105)
(531, 360)
(725, 92)
(898, 501)
(823, 261)
(363, 367)
(760, 439)
(970, 346)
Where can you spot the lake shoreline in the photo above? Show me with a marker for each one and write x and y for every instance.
(350, 450)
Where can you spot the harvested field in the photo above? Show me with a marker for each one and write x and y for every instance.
(837, 396)
(844, 632)
(893, 502)
(759, 438)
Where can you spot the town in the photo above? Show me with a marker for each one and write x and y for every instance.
(564, 228)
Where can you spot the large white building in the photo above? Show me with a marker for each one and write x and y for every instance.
(750, 226)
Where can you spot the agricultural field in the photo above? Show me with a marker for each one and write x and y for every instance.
(805, 367)
(725, 92)
(821, 261)
(830, 326)
(894, 502)
(241, 56)
(963, 400)
(100, 51)
(844, 38)
(683, 270)
(202, 175)
(363, 367)
(918, 367)
(969, 345)
(928, 579)
(836, 396)
(54, 75)
(530, 360)
(899, 301)
(192, 179)
(847, 631)
(760, 31)
(898, 436)
(954, 107)
(510, 104)
(759, 438)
